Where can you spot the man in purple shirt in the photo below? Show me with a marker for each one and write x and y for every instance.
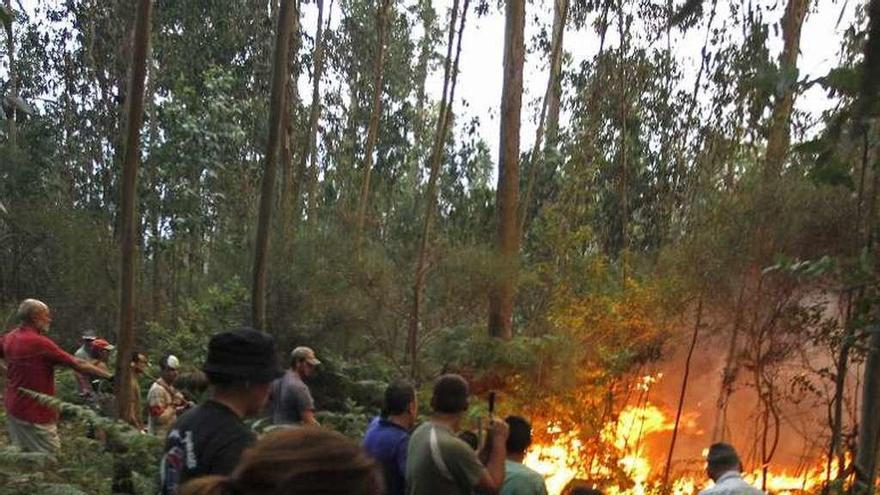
(387, 437)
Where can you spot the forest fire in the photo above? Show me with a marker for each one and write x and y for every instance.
(630, 438)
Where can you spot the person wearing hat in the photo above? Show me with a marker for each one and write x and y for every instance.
(440, 463)
(209, 439)
(100, 352)
(31, 358)
(96, 352)
(164, 401)
(725, 469)
(290, 400)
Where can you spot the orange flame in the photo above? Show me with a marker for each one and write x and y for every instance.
(558, 462)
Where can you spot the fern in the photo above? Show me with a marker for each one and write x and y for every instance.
(84, 466)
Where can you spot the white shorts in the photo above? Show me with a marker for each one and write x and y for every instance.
(32, 437)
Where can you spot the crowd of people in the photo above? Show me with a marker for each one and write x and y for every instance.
(210, 450)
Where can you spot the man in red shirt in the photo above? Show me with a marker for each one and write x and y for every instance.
(31, 358)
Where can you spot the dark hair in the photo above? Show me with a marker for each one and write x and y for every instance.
(580, 487)
(582, 490)
(136, 355)
(450, 394)
(304, 461)
(470, 438)
(721, 457)
(163, 364)
(224, 381)
(398, 396)
(520, 436)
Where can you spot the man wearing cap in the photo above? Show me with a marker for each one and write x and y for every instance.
(209, 439)
(163, 400)
(31, 358)
(97, 352)
(291, 400)
(724, 468)
(440, 463)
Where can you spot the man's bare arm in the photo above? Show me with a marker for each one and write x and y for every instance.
(308, 418)
(493, 476)
(90, 369)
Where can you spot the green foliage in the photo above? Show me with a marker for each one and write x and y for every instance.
(217, 308)
(6, 17)
(84, 465)
(653, 197)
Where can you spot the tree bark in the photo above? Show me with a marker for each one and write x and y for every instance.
(280, 77)
(373, 126)
(289, 201)
(13, 78)
(779, 137)
(554, 84)
(135, 117)
(291, 177)
(866, 453)
(443, 121)
(311, 148)
(684, 384)
(549, 109)
(728, 376)
(426, 48)
(507, 195)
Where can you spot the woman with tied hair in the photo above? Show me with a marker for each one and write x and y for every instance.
(300, 461)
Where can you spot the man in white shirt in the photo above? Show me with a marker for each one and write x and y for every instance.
(724, 467)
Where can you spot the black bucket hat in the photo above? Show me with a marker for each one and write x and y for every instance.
(243, 354)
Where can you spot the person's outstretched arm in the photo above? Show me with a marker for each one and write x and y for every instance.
(90, 369)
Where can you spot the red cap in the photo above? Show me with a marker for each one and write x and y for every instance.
(102, 345)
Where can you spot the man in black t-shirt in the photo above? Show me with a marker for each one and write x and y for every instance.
(210, 438)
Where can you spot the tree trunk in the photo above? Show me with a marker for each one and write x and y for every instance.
(871, 75)
(373, 126)
(779, 137)
(443, 121)
(426, 48)
(311, 146)
(280, 76)
(549, 109)
(507, 195)
(554, 84)
(289, 212)
(135, 117)
(728, 376)
(13, 77)
(289, 191)
(684, 383)
(869, 430)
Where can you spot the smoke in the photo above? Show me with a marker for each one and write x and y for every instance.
(803, 389)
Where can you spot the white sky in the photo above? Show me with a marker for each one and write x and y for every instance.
(480, 78)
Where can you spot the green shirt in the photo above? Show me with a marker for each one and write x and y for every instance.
(424, 477)
(520, 480)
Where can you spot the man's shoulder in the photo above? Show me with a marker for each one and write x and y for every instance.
(518, 469)
(208, 417)
(26, 343)
(449, 443)
(738, 487)
(292, 380)
(156, 388)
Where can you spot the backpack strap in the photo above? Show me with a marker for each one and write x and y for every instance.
(437, 457)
